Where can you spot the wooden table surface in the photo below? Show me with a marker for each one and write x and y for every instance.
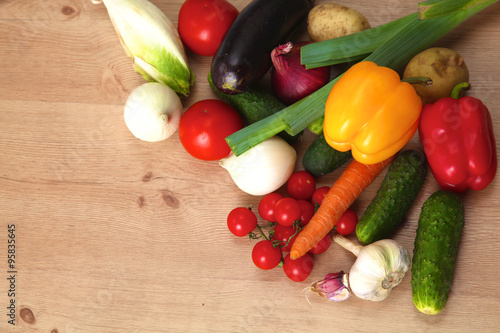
(114, 234)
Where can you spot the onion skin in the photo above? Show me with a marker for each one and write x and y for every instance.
(152, 112)
(291, 81)
(264, 168)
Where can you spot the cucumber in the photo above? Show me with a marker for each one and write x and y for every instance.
(317, 126)
(436, 245)
(396, 194)
(253, 105)
(320, 158)
(243, 56)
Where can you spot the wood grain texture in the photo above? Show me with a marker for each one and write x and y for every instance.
(119, 235)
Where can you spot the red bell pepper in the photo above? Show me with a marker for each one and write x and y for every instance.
(458, 140)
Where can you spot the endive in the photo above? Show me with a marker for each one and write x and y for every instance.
(152, 41)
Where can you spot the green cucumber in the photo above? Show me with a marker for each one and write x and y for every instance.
(320, 158)
(317, 126)
(436, 245)
(396, 194)
(254, 104)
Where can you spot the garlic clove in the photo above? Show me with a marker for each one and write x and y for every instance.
(333, 287)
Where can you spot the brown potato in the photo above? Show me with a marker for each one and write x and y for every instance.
(331, 20)
(444, 66)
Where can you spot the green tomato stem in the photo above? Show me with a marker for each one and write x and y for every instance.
(262, 232)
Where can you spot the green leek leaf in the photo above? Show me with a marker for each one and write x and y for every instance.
(350, 47)
(436, 8)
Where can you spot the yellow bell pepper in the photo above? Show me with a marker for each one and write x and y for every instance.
(371, 112)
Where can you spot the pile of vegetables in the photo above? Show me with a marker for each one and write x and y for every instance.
(342, 85)
(285, 217)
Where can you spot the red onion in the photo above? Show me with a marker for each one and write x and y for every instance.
(291, 81)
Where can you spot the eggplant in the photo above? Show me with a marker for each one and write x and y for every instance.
(244, 55)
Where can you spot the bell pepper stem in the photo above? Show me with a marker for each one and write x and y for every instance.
(455, 93)
(423, 80)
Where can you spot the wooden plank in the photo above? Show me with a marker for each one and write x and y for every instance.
(114, 234)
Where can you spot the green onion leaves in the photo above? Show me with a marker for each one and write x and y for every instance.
(436, 8)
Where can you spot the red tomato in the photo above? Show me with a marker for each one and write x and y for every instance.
(301, 185)
(204, 127)
(308, 211)
(299, 269)
(241, 221)
(203, 23)
(284, 233)
(265, 255)
(347, 223)
(322, 245)
(319, 195)
(287, 211)
(267, 204)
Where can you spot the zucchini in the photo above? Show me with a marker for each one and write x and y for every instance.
(244, 55)
(253, 105)
(320, 158)
(396, 194)
(436, 245)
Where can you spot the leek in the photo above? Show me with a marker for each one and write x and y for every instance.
(435, 8)
(394, 53)
(350, 47)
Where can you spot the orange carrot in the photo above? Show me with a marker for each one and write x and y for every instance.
(348, 187)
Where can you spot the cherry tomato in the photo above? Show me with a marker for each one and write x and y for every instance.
(283, 233)
(322, 245)
(287, 211)
(203, 23)
(241, 221)
(308, 211)
(265, 255)
(301, 185)
(204, 127)
(267, 204)
(319, 195)
(299, 269)
(347, 223)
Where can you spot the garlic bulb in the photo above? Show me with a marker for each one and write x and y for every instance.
(263, 168)
(153, 112)
(380, 266)
(152, 40)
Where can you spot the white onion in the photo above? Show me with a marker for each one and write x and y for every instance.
(262, 169)
(152, 112)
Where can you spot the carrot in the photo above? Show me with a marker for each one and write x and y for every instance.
(348, 187)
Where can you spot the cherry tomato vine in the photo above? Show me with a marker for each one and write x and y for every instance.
(285, 217)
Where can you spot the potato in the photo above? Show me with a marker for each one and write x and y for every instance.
(331, 20)
(444, 66)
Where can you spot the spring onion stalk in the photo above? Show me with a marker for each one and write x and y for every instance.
(351, 47)
(436, 8)
(393, 53)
